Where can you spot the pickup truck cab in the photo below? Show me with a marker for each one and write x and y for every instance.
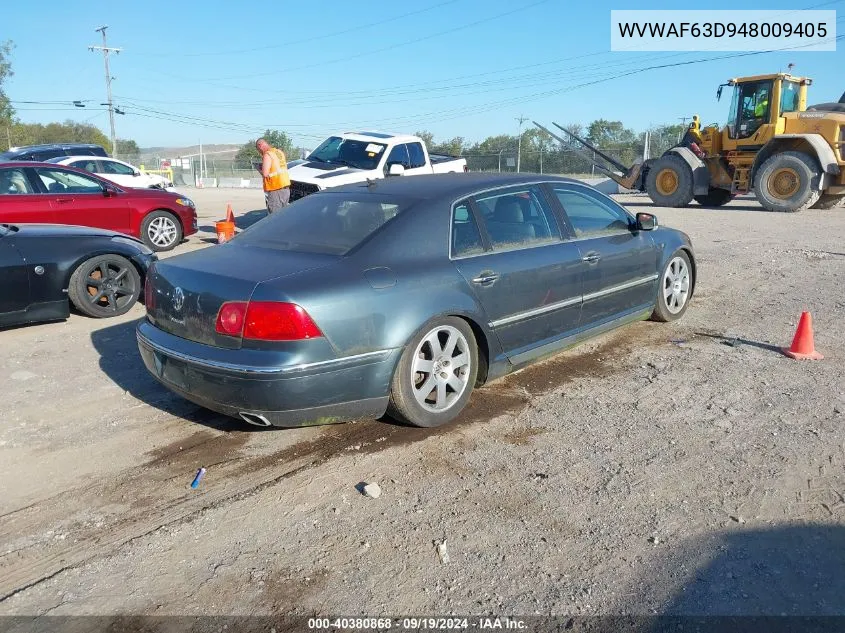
(360, 156)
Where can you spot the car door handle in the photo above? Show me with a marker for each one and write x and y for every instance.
(592, 258)
(485, 279)
(64, 200)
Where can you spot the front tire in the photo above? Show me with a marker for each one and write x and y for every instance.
(788, 182)
(436, 374)
(104, 286)
(161, 231)
(674, 288)
(669, 182)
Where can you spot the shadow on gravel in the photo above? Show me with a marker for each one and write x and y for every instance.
(121, 362)
(783, 571)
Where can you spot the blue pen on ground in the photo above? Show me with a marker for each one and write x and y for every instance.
(198, 478)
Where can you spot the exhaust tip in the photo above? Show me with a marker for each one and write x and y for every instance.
(255, 419)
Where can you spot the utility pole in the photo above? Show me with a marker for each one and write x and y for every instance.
(521, 120)
(683, 120)
(106, 52)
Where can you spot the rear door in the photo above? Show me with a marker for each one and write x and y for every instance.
(78, 199)
(507, 244)
(14, 279)
(21, 200)
(619, 263)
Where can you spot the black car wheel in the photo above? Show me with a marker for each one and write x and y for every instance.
(161, 231)
(436, 374)
(674, 288)
(105, 286)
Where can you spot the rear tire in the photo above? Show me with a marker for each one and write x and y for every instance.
(788, 182)
(829, 201)
(669, 182)
(161, 231)
(436, 374)
(715, 198)
(104, 286)
(674, 288)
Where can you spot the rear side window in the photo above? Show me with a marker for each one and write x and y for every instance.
(518, 218)
(325, 222)
(466, 238)
(415, 151)
(14, 182)
(87, 165)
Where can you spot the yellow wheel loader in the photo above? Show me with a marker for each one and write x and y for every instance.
(790, 156)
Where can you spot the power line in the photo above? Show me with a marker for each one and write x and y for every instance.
(315, 38)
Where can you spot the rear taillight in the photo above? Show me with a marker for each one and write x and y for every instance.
(149, 295)
(266, 321)
(231, 317)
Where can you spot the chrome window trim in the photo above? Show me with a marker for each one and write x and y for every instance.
(467, 196)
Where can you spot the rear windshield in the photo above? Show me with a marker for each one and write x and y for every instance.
(330, 223)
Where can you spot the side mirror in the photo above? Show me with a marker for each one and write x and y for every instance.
(395, 169)
(646, 222)
(137, 172)
(108, 192)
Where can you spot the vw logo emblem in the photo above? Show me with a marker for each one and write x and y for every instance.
(178, 299)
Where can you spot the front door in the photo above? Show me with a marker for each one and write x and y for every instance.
(14, 276)
(83, 201)
(507, 244)
(20, 199)
(619, 263)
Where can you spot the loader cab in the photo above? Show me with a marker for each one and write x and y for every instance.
(757, 104)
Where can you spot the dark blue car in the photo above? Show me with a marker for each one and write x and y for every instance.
(404, 294)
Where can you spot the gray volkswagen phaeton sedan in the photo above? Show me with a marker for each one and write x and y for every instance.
(404, 294)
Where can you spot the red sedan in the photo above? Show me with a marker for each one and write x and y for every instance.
(43, 193)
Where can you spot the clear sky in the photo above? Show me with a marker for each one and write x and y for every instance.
(223, 72)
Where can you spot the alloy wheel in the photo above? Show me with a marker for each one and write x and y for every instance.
(162, 231)
(676, 284)
(440, 368)
(110, 286)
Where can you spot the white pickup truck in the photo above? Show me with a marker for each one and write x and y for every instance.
(358, 156)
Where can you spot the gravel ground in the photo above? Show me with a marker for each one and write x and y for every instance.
(684, 468)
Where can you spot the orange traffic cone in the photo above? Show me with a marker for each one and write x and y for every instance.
(226, 228)
(802, 345)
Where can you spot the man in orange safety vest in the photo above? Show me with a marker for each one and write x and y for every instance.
(274, 169)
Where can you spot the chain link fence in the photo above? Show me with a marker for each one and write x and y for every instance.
(226, 171)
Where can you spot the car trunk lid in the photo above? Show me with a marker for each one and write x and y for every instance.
(188, 290)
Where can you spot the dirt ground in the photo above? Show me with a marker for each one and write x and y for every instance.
(683, 468)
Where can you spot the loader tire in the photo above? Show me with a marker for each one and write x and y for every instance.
(829, 201)
(669, 182)
(788, 182)
(715, 198)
